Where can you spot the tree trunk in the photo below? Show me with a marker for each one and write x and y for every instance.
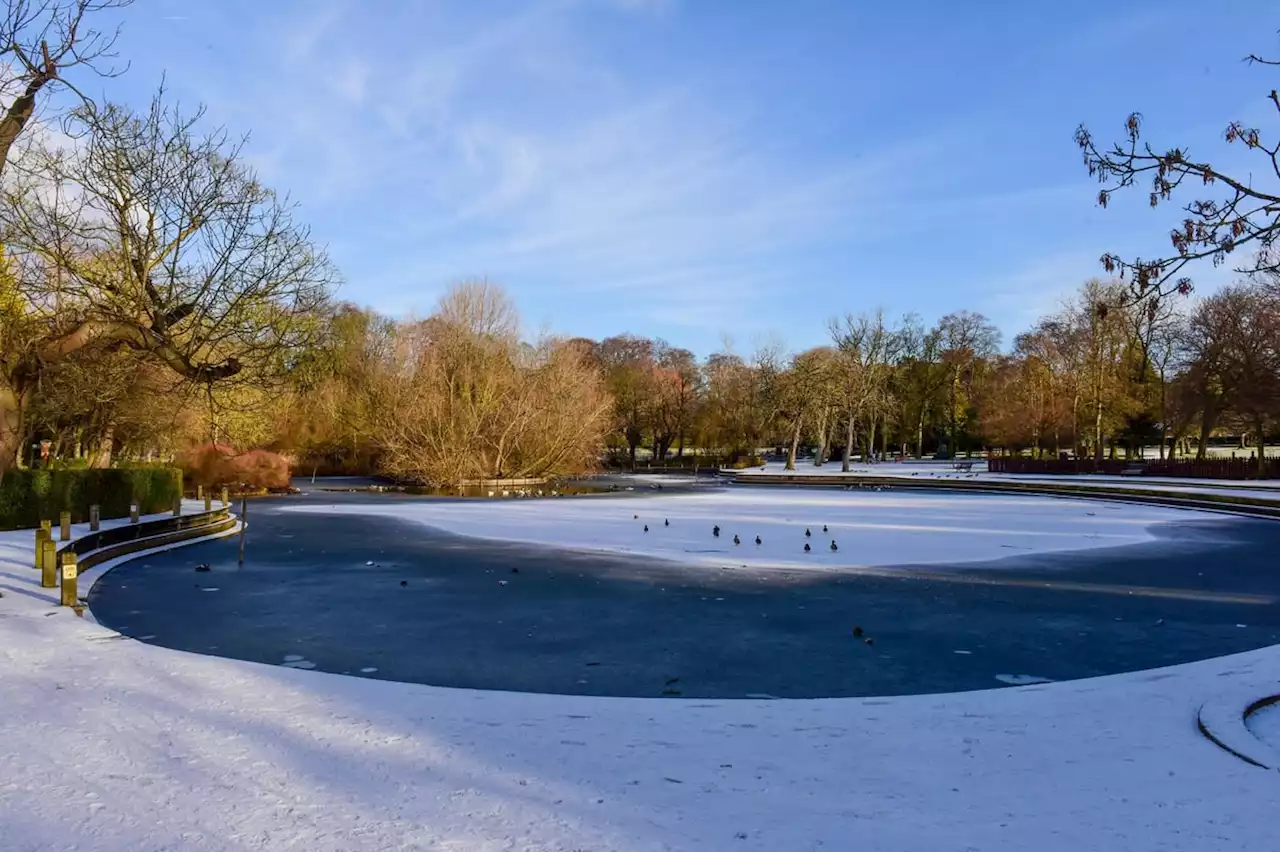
(1262, 449)
(101, 457)
(12, 403)
(1206, 426)
(1097, 426)
(848, 445)
(20, 112)
(871, 439)
(795, 444)
(822, 439)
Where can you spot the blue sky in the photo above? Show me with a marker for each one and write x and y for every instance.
(693, 169)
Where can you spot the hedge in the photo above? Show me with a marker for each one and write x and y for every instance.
(29, 496)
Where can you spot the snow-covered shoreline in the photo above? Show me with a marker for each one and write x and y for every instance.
(111, 744)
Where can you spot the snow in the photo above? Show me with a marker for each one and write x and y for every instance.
(1265, 725)
(1256, 489)
(111, 744)
(870, 528)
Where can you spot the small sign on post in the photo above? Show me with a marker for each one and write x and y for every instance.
(48, 564)
(64, 526)
(133, 513)
(95, 517)
(70, 571)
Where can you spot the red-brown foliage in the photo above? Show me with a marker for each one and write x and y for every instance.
(214, 465)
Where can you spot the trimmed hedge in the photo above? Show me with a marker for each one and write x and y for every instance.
(29, 496)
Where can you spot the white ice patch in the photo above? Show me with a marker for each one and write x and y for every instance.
(298, 663)
(1021, 679)
(874, 529)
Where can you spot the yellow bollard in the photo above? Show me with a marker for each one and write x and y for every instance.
(95, 517)
(133, 513)
(64, 526)
(49, 564)
(226, 496)
(47, 526)
(208, 502)
(199, 492)
(69, 574)
(42, 535)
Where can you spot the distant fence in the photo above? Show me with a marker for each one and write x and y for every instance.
(1206, 469)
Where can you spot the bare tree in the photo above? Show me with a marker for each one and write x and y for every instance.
(153, 235)
(41, 40)
(865, 349)
(966, 338)
(1245, 211)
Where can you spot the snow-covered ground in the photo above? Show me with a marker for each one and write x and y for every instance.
(944, 470)
(110, 744)
(869, 528)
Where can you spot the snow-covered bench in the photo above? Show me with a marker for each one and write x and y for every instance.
(962, 465)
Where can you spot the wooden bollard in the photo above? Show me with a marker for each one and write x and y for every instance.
(199, 492)
(133, 513)
(95, 517)
(70, 571)
(64, 526)
(47, 526)
(208, 501)
(177, 506)
(42, 535)
(49, 564)
(226, 496)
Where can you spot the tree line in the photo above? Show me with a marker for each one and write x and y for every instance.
(155, 295)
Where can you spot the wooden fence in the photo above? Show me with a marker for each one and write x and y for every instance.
(1206, 469)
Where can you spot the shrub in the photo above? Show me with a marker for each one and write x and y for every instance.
(262, 469)
(30, 496)
(214, 465)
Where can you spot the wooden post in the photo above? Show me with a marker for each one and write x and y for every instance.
(208, 501)
(42, 535)
(199, 492)
(95, 517)
(226, 496)
(177, 506)
(70, 572)
(244, 513)
(64, 526)
(47, 526)
(49, 564)
(133, 513)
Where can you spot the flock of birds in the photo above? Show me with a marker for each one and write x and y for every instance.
(715, 533)
(857, 631)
